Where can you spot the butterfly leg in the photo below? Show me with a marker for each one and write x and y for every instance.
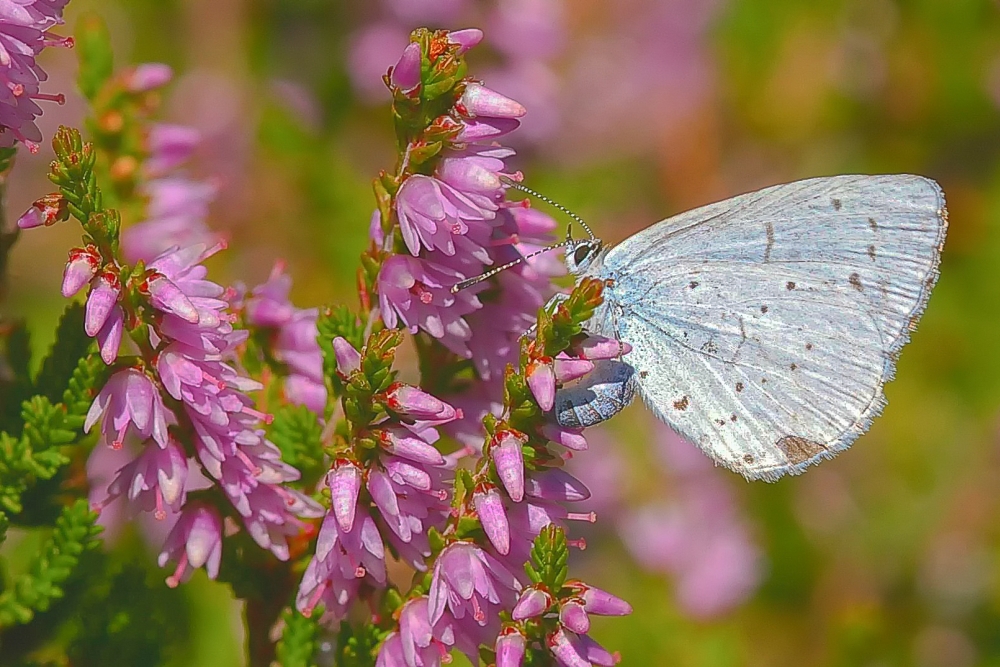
(603, 393)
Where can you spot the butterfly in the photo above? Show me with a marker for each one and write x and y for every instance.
(763, 328)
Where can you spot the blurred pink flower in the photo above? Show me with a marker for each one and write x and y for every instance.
(699, 536)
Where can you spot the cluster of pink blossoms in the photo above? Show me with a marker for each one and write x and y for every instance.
(405, 487)
(457, 223)
(24, 33)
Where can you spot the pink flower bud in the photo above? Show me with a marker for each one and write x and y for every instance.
(466, 39)
(403, 443)
(600, 347)
(570, 438)
(417, 403)
(486, 128)
(574, 616)
(345, 483)
(600, 602)
(542, 382)
(509, 461)
(555, 484)
(80, 268)
(148, 76)
(348, 359)
(489, 506)
(406, 72)
(510, 647)
(568, 369)
(478, 100)
(533, 602)
(109, 338)
(164, 295)
(562, 648)
(103, 296)
(47, 210)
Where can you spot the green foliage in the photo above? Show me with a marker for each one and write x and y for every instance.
(549, 558)
(126, 616)
(93, 47)
(297, 646)
(15, 388)
(374, 376)
(356, 647)
(73, 173)
(71, 345)
(75, 533)
(296, 432)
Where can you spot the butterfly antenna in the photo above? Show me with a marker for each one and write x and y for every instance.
(523, 188)
(457, 287)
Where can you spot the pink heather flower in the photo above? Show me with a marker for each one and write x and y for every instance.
(406, 71)
(293, 341)
(348, 359)
(572, 650)
(599, 602)
(342, 560)
(80, 268)
(510, 647)
(195, 541)
(418, 293)
(416, 403)
(471, 587)
(436, 216)
(493, 518)
(509, 461)
(414, 645)
(542, 382)
(478, 100)
(175, 216)
(23, 35)
(154, 481)
(169, 146)
(129, 401)
(148, 76)
(533, 602)
(104, 293)
(466, 39)
(344, 481)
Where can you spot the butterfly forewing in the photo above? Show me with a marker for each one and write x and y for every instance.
(764, 327)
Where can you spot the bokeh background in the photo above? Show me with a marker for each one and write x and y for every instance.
(638, 109)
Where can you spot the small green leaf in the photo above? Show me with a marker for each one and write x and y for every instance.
(297, 646)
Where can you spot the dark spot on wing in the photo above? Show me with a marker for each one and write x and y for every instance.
(871, 252)
(789, 285)
(794, 366)
(739, 387)
(693, 284)
(809, 346)
(643, 374)
(720, 422)
(855, 281)
(682, 404)
(763, 380)
(769, 229)
(748, 459)
(710, 347)
(763, 309)
(836, 204)
(732, 417)
(873, 224)
(799, 449)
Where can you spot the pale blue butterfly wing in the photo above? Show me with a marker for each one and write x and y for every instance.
(764, 327)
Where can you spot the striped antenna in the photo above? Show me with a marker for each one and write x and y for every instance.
(525, 189)
(457, 287)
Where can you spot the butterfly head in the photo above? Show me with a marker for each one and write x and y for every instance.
(580, 255)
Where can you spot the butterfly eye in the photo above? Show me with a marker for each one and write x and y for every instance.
(580, 254)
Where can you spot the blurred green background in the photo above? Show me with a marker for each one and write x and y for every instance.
(887, 555)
